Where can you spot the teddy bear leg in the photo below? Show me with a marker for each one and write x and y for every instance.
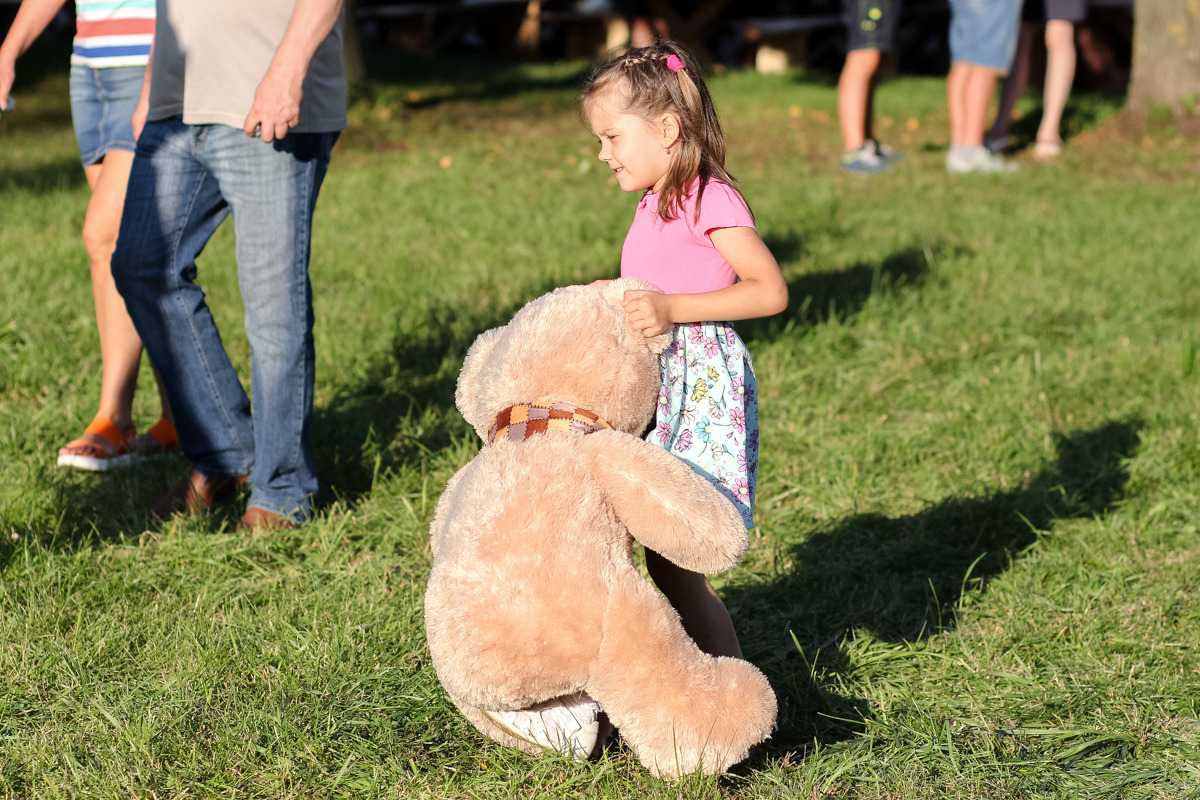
(679, 709)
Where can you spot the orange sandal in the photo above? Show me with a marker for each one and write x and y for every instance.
(115, 451)
(161, 438)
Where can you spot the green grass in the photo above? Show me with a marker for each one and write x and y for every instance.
(976, 567)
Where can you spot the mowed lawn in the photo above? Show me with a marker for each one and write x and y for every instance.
(976, 566)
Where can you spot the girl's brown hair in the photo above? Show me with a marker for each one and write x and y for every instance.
(640, 82)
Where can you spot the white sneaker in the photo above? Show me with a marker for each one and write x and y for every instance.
(962, 160)
(569, 725)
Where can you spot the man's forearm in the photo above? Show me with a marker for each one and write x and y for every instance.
(311, 22)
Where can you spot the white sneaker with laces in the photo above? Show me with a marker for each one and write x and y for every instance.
(569, 725)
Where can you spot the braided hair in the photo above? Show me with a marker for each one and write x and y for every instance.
(665, 78)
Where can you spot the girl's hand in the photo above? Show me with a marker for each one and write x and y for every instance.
(648, 312)
(601, 283)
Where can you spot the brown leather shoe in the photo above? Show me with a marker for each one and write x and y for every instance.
(258, 520)
(195, 495)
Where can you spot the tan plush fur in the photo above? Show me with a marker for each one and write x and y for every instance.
(533, 593)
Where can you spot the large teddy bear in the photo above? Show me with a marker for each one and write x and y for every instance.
(533, 593)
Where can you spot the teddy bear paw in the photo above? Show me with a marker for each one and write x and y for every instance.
(573, 725)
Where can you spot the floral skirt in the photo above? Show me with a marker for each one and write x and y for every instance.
(708, 409)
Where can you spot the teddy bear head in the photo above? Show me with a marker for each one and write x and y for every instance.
(573, 346)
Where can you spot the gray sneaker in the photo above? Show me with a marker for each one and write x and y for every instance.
(883, 151)
(569, 725)
(962, 160)
(864, 161)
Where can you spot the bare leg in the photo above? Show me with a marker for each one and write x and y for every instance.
(120, 347)
(1060, 74)
(956, 99)
(980, 85)
(855, 90)
(704, 616)
(1014, 84)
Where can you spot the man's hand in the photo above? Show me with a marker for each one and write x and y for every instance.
(138, 120)
(276, 106)
(648, 312)
(142, 109)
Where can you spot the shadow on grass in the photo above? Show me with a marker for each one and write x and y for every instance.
(902, 579)
(818, 297)
(65, 174)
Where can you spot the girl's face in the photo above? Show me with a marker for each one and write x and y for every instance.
(632, 147)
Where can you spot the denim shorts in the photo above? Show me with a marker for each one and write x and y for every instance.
(984, 32)
(102, 104)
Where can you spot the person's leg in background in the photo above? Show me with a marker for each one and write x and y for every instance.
(1011, 90)
(173, 206)
(100, 101)
(272, 191)
(983, 38)
(871, 29)
(956, 100)
(855, 92)
(1060, 75)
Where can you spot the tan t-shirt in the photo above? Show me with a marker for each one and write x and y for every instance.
(210, 55)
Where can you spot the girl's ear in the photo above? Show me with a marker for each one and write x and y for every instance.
(668, 124)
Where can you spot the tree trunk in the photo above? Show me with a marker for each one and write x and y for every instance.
(1166, 55)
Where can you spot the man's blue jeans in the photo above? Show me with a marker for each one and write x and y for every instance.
(186, 179)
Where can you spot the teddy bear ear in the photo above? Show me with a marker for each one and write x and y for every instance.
(614, 293)
(468, 389)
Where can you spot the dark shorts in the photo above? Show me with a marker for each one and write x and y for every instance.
(102, 104)
(871, 24)
(1065, 10)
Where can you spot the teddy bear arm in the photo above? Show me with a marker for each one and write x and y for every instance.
(441, 527)
(664, 504)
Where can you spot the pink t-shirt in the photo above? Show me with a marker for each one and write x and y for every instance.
(677, 256)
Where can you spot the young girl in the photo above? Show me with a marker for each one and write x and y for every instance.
(692, 236)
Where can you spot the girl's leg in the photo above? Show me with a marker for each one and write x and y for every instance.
(1060, 74)
(704, 616)
(120, 347)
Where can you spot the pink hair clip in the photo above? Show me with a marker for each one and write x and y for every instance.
(674, 63)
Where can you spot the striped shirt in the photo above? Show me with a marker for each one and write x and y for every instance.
(113, 33)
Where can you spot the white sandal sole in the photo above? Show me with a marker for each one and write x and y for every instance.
(77, 461)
